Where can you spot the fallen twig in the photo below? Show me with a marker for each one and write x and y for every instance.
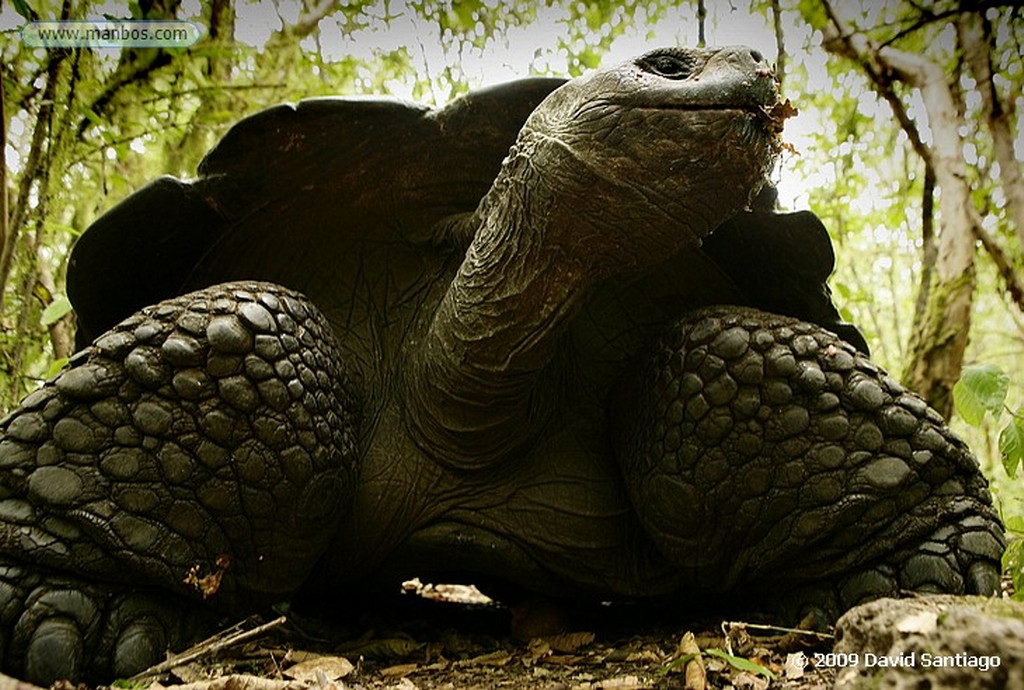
(207, 647)
(245, 682)
(778, 629)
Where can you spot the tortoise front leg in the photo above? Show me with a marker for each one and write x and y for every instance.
(763, 454)
(205, 446)
(55, 625)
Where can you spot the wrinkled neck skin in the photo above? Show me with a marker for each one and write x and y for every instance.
(548, 236)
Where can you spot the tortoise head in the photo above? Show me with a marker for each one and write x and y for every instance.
(676, 137)
(611, 173)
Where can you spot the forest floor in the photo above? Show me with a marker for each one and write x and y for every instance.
(446, 638)
(450, 637)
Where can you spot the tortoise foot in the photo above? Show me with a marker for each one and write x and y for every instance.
(203, 447)
(762, 452)
(61, 627)
(958, 558)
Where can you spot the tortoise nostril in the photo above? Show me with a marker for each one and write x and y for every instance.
(756, 55)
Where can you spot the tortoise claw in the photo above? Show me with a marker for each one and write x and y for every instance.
(54, 651)
(63, 628)
(140, 644)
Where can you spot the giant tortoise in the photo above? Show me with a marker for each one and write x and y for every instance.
(553, 335)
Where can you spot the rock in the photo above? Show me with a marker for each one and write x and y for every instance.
(931, 642)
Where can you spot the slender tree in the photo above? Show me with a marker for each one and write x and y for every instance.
(943, 322)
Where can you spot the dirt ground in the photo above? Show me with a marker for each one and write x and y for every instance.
(450, 637)
(446, 638)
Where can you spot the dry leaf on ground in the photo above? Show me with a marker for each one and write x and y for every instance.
(695, 675)
(332, 667)
(398, 670)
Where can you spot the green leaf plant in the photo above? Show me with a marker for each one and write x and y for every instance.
(982, 390)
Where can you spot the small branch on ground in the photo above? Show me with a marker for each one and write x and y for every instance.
(244, 682)
(778, 629)
(210, 646)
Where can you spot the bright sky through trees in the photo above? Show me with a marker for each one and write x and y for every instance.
(534, 47)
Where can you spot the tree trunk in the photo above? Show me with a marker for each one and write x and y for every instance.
(929, 250)
(61, 340)
(938, 344)
(937, 350)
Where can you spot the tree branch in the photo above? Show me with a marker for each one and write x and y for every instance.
(135, 65)
(1004, 266)
(928, 17)
(307, 23)
(975, 35)
(130, 72)
(841, 41)
(4, 226)
(702, 16)
(31, 172)
(780, 44)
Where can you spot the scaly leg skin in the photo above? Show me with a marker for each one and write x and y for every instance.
(765, 456)
(203, 448)
(57, 626)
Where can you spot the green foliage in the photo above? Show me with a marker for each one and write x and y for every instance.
(982, 390)
(594, 25)
(736, 662)
(1011, 443)
(864, 185)
(56, 366)
(56, 310)
(22, 8)
(742, 664)
(677, 664)
(1013, 558)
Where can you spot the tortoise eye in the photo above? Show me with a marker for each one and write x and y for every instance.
(666, 65)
